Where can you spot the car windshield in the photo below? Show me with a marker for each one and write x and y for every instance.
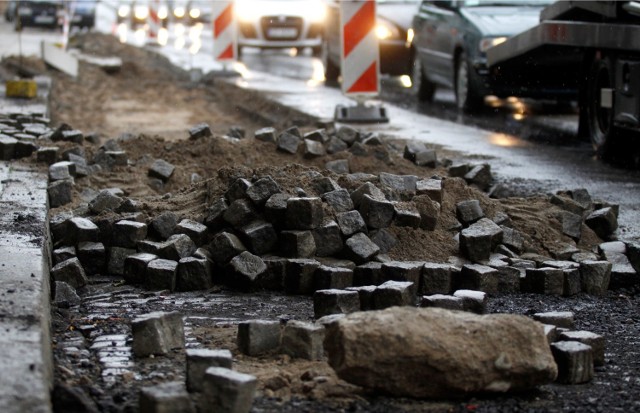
(481, 3)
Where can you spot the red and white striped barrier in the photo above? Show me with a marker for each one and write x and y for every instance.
(360, 53)
(224, 32)
(154, 20)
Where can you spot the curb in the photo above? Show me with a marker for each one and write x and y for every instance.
(26, 359)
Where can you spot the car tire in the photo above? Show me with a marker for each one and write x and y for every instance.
(467, 99)
(331, 70)
(604, 135)
(421, 87)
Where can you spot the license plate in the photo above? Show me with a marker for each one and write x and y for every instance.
(282, 32)
(44, 19)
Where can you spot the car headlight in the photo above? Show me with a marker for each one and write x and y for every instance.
(385, 30)
(194, 13)
(488, 42)
(179, 12)
(163, 13)
(141, 12)
(124, 10)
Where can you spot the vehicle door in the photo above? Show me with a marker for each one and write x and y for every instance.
(435, 38)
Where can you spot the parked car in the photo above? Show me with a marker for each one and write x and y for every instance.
(393, 28)
(41, 13)
(450, 41)
(84, 13)
(268, 24)
(10, 11)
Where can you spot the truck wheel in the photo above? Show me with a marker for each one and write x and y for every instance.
(601, 129)
(467, 99)
(421, 86)
(331, 70)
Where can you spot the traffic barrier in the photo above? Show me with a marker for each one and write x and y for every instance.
(224, 32)
(360, 55)
(153, 20)
(360, 62)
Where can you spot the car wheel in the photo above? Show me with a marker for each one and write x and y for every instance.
(602, 131)
(331, 70)
(421, 86)
(467, 99)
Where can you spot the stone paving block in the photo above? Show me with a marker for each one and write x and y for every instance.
(360, 249)
(571, 224)
(376, 213)
(224, 246)
(237, 190)
(161, 275)
(240, 212)
(169, 397)
(80, 229)
(303, 340)
(403, 185)
(623, 275)
(448, 302)
(335, 145)
(430, 187)
(201, 130)
(157, 333)
(151, 247)
(257, 337)
(365, 296)
(65, 294)
(328, 239)
(7, 147)
(304, 213)
(163, 225)
(195, 230)
(60, 193)
(93, 257)
(412, 148)
(480, 176)
(161, 169)
(595, 276)
(595, 341)
(509, 279)
(603, 222)
(339, 166)
(428, 158)
(571, 285)
(117, 256)
(407, 215)
(479, 277)
(126, 234)
(47, 154)
(244, 271)
(273, 278)
(393, 293)
(313, 149)
(299, 277)
(199, 360)
(368, 274)
(135, 267)
(63, 254)
(61, 170)
(348, 134)
(478, 240)
(227, 391)
(323, 185)
(544, 280)
(288, 143)
(474, 301)
(326, 278)
(435, 279)
(560, 319)
(105, 201)
(403, 271)
(297, 244)
(275, 210)
(335, 301)
(633, 254)
(469, 212)
(71, 272)
(574, 360)
(350, 223)
(567, 204)
(178, 246)
(512, 239)
(266, 134)
(260, 236)
(384, 239)
(263, 189)
(194, 274)
(429, 212)
(215, 213)
(366, 189)
(339, 200)
(582, 197)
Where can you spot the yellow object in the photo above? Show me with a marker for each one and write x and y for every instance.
(23, 88)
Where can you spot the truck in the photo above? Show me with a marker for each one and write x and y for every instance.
(587, 52)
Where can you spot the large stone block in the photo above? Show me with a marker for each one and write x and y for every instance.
(297, 244)
(574, 360)
(436, 279)
(327, 277)
(244, 271)
(256, 337)
(394, 293)
(328, 239)
(157, 333)
(199, 360)
(403, 271)
(227, 391)
(603, 222)
(334, 301)
(299, 276)
(595, 276)
(544, 280)
(194, 274)
(303, 340)
(435, 357)
(135, 267)
(161, 275)
(368, 274)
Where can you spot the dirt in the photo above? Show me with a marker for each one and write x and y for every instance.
(148, 107)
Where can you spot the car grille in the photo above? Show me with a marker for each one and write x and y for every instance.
(281, 27)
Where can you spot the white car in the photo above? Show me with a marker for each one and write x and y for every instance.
(279, 24)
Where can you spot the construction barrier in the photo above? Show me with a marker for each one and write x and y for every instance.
(224, 32)
(360, 54)
(154, 20)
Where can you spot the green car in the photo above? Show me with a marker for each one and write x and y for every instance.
(450, 40)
